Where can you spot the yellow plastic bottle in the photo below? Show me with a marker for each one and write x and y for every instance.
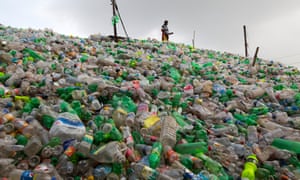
(249, 168)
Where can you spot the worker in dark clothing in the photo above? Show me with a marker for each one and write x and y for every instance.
(165, 31)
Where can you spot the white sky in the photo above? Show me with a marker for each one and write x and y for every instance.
(273, 25)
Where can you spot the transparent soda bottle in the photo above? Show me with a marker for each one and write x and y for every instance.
(252, 135)
(33, 146)
(18, 174)
(109, 153)
(168, 131)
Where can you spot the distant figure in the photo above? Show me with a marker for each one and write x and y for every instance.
(165, 31)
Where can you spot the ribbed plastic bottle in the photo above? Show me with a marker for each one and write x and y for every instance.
(109, 153)
(168, 131)
(252, 135)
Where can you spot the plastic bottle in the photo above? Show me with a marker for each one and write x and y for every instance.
(254, 92)
(6, 166)
(229, 129)
(210, 164)
(85, 144)
(111, 132)
(39, 129)
(95, 105)
(154, 157)
(101, 171)
(67, 126)
(18, 174)
(64, 166)
(33, 146)
(143, 149)
(150, 121)
(109, 153)
(191, 148)
(127, 136)
(142, 113)
(269, 137)
(269, 125)
(170, 154)
(252, 135)
(249, 168)
(280, 117)
(129, 121)
(46, 169)
(168, 131)
(119, 115)
(289, 145)
(147, 173)
(24, 127)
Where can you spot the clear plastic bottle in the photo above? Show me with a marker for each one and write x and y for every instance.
(252, 135)
(128, 139)
(64, 166)
(168, 131)
(147, 173)
(101, 171)
(119, 116)
(95, 105)
(86, 142)
(46, 170)
(18, 174)
(39, 129)
(280, 117)
(229, 129)
(67, 126)
(34, 160)
(143, 149)
(26, 129)
(33, 146)
(270, 136)
(254, 92)
(129, 121)
(6, 166)
(109, 153)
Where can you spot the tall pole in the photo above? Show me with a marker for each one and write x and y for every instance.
(255, 56)
(114, 15)
(245, 39)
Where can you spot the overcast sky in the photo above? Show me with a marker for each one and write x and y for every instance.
(273, 25)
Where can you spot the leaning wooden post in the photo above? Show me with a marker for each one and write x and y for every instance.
(255, 56)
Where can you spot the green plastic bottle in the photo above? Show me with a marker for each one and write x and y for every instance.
(179, 119)
(191, 148)
(210, 164)
(249, 168)
(154, 157)
(289, 145)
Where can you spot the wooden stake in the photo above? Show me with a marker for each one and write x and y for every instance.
(255, 56)
(114, 14)
(245, 39)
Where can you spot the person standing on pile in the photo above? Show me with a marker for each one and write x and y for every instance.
(165, 31)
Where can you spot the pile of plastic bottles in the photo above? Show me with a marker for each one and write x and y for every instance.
(91, 108)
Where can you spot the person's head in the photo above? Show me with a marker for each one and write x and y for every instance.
(166, 22)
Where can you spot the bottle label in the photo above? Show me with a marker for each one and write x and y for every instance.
(68, 122)
(147, 172)
(70, 151)
(27, 175)
(20, 125)
(143, 107)
(88, 138)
